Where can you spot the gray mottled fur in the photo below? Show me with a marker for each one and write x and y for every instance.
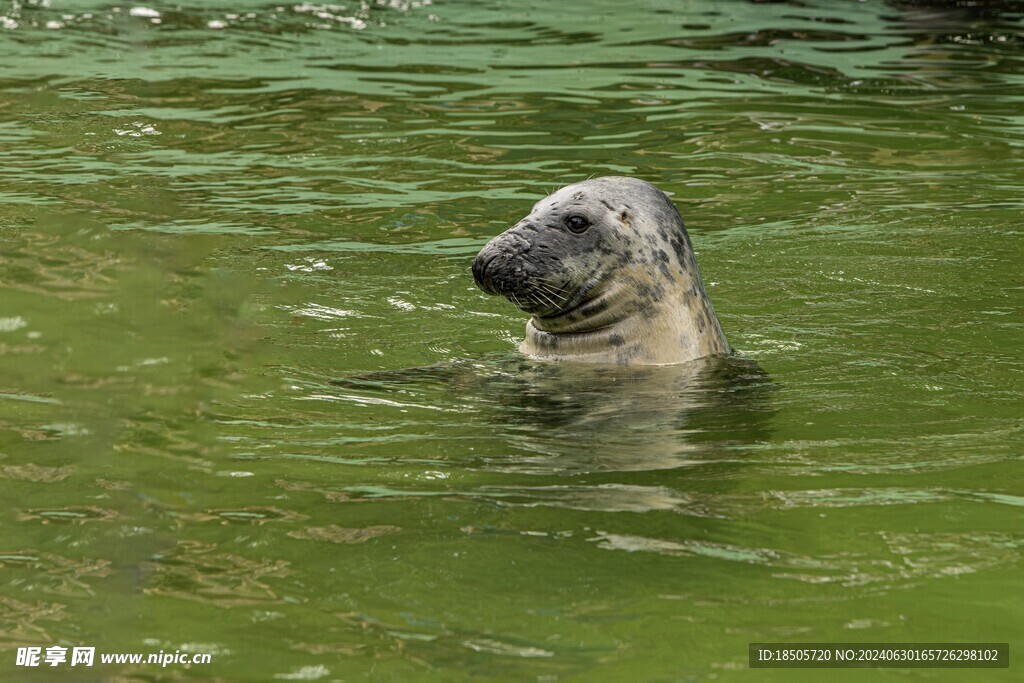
(625, 291)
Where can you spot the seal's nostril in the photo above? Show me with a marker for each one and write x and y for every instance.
(480, 263)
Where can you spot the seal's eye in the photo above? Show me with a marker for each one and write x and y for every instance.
(577, 223)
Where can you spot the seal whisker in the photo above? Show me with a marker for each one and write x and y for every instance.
(543, 286)
(546, 300)
(552, 285)
(555, 288)
(547, 284)
(559, 299)
(547, 296)
(568, 292)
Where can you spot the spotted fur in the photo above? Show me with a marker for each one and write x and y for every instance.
(626, 290)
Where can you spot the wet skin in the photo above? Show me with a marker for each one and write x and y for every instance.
(606, 269)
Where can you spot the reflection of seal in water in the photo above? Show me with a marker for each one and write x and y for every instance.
(571, 418)
(607, 271)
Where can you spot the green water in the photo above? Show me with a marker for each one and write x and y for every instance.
(251, 403)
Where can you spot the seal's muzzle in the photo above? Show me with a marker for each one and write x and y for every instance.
(502, 267)
(480, 263)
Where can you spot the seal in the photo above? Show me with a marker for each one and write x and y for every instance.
(606, 269)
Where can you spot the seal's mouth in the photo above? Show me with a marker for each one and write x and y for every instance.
(497, 270)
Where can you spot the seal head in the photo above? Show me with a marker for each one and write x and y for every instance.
(606, 269)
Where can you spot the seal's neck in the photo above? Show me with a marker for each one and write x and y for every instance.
(622, 325)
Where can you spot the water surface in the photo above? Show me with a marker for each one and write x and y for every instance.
(251, 403)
